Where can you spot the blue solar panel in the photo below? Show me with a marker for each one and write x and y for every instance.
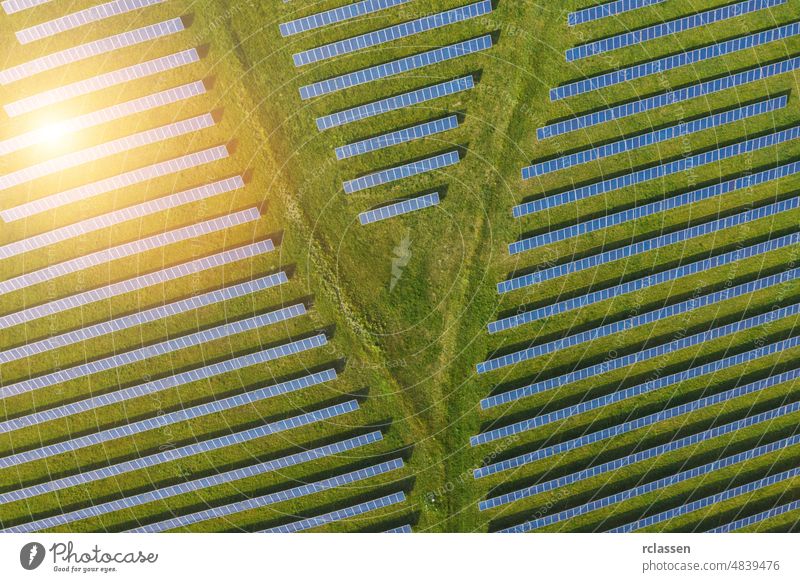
(340, 14)
(656, 172)
(146, 389)
(653, 137)
(339, 515)
(634, 391)
(223, 331)
(642, 283)
(399, 208)
(401, 529)
(630, 426)
(258, 502)
(204, 483)
(378, 37)
(401, 172)
(668, 98)
(392, 68)
(142, 317)
(608, 9)
(626, 461)
(657, 485)
(397, 137)
(647, 245)
(177, 453)
(757, 518)
(669, 28)
(659, 66)
(744, 183)
(393, 103)
(711, 499)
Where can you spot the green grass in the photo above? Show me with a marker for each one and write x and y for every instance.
(408, 348)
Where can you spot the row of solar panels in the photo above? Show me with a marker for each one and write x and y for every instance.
(606, 10)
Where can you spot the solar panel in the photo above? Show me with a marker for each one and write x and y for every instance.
(256, 502)
(642, 283)
(103, 81)
(169, 455)
(339, 515)
(129, 249)
(82, 18)
(401, 529)
(378, 37)
(669, 98)
(710, 500)
(633, 392)
(669, 28)
(137, 283)
(657, 172)
(659, 66)
(121, 216)
(150, 388)
(392, 68)
(647, 245)
(653, 137)
(142, 317)
(12, 6)
(106, 149)
(757, 518)
(623, 462)
(608, 9)
(104, 115)
(642, 356)
(394, 103)
(399, 208)
(394, 138)
(657, 485)
(401, 172)
(138, 355)
(219, 479)
(336, 15)
(124, 180)
(744, 183)
(646, 421)
(91, 49)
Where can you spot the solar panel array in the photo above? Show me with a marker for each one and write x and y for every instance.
(142, 317)
(643, 422)
(401, 529)
(102, 81)
(404, 207)
(642, 283)
(392, 33)
(177, 453)
(129, 249)
(712, 499)
(401, 172)
(394, 103)
(653, 137)
(137, 283)
(647, 245)
(397, 67)
(669, 28)
(121, 216)
(757, 518)
(81, 18)
(660, 171)
(340, 14)
(339, 515)
(107, 149)
(641, 356)
(261, 501)
(394, 138)
(14, 6)
(704, 88)
(608, 9)
(91, 49)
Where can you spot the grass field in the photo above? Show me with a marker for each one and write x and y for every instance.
(404, 302)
